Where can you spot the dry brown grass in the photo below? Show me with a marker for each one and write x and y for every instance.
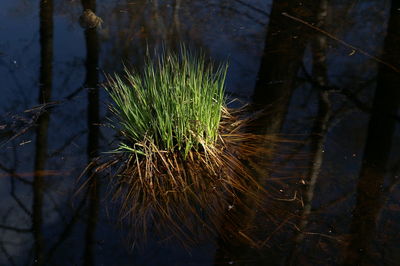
(204, 195)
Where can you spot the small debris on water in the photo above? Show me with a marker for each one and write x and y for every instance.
(89, 20)
(25, 142)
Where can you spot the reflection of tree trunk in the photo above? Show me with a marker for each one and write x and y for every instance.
(282, 57)
(377, 148)
(91, 83)
(46, 58)
(319, 131)
(175, 31)
(281, 60)
(159, 22)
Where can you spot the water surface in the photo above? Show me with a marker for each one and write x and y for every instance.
(329, 73)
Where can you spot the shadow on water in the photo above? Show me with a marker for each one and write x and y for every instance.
(93, 117)
(273, 91)
(324, 77)
(285, 46)
(379, 143)
(46, 75)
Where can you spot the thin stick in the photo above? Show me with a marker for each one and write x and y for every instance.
(342, 42)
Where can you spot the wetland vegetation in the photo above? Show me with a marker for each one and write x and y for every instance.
(308, 175)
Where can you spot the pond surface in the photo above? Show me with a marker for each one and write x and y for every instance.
(328, 72)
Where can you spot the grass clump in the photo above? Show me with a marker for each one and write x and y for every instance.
(183, 161)
(174, 104)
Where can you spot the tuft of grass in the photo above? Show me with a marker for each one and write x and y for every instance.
(185, 163)
(175, 103)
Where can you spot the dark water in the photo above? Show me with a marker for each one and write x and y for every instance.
(333, 83)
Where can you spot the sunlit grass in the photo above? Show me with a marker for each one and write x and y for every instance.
(175, 103)
(184, 159)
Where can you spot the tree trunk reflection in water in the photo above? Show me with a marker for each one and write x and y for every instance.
(377, 149)
(46, 60)
(91, 83)
(319, 130)
(282, 57)
(175, 31)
